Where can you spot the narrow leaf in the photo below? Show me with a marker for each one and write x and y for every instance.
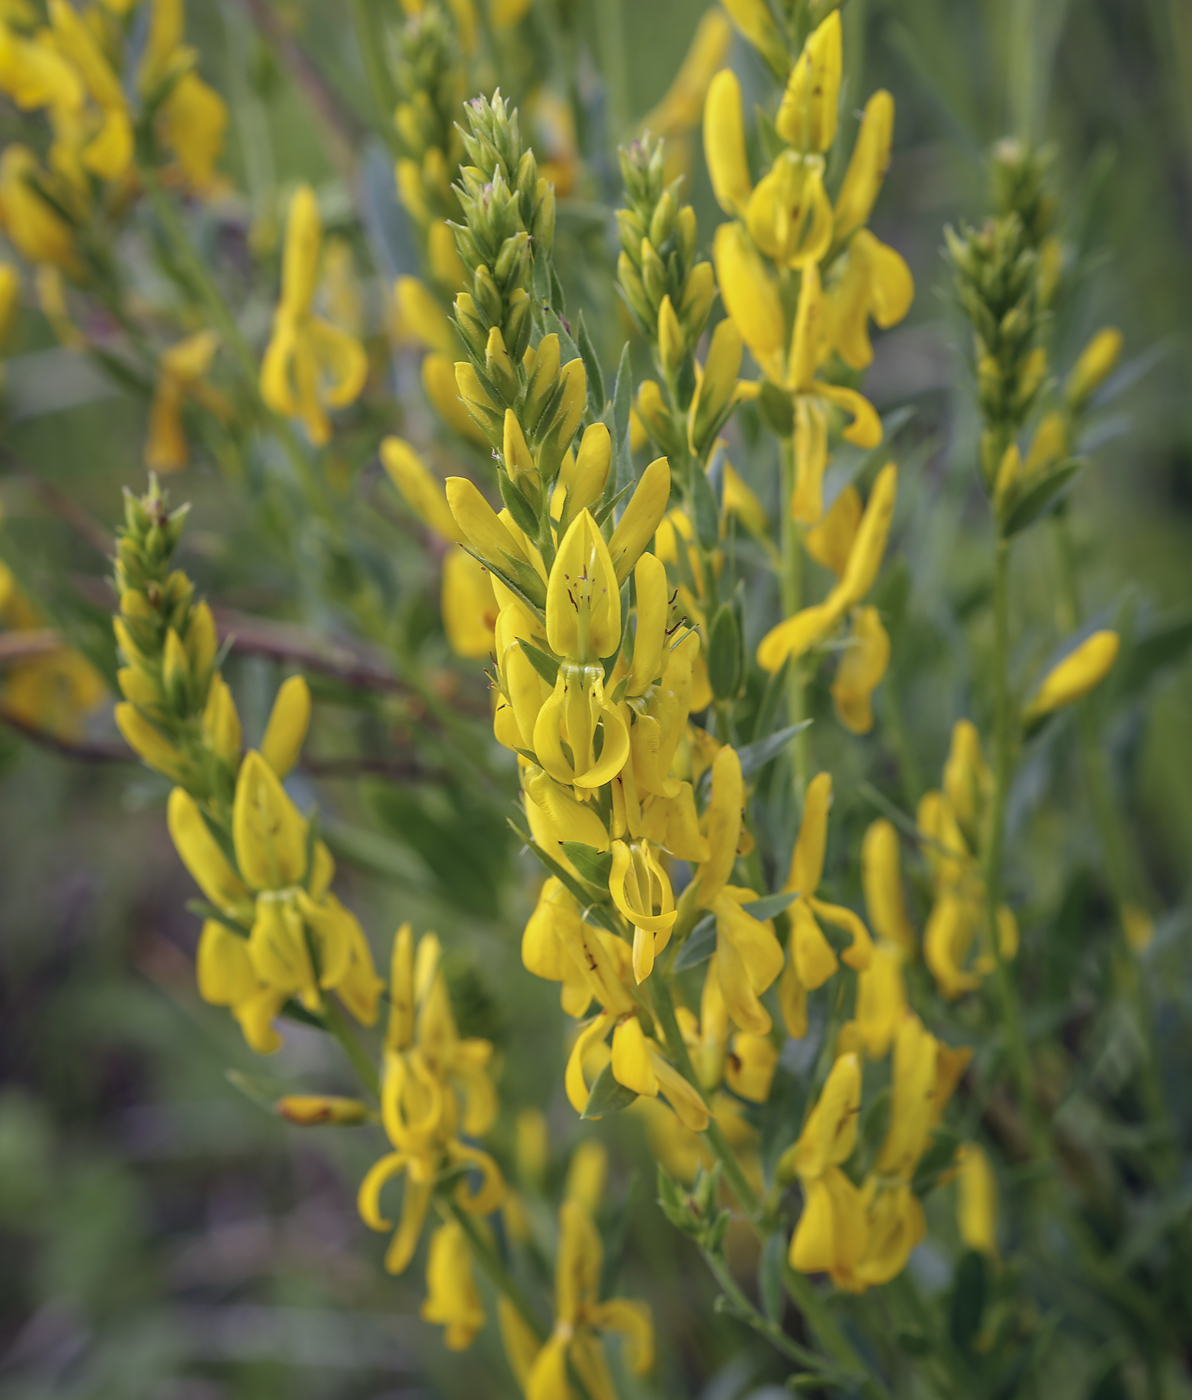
(608, 1095)
(592, 365)
(700, 945)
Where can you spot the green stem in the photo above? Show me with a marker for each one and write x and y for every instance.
(799, 1288)
(337, 1026)
(994, 848)
(829, 1332)
(745, 1310)
(792, 600)
(493, 1265)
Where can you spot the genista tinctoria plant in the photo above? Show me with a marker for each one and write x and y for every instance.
(825, 1021)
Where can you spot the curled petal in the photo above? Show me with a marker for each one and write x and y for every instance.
(491, 1191)
(368, 1201)
(573, 1079)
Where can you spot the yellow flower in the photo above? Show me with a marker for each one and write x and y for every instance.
(468, 605)
(423, 492)
(421, 315)
(789, 215)
(452, 1299)
(810, 960)
(1075, 676)
(882, 881)
(580, 1317)
(807, 116)
(861, 670)
(867, 166)
(753, 19)
(638, 884)
(37, 231)
(434, 1085)
(1096, 363)
(309, 364)
(875, 282)
(313, 1110)
(830, 542)
(183, 368)
(108, 148)
(288, 722)
(724, 144)
(831, 1234)
(976, 1206)
(798, 634)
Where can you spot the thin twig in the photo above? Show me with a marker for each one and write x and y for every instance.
(31, 645)
(59, 504)
(89, 752)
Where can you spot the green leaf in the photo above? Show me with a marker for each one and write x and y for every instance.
(772, 700)
(938, 1159)
(608, 1095)
(592, 864)
(1031, 503)
(700, 945)
(968, 1299)
(621, 478)
(706, 509)
(725, 661)
(769, 1277)
(592, 365)
(914, 1343)
(542, 661)
(758, 754)
(594, 913)
(770, 905)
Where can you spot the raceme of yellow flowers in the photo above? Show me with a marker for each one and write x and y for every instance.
(604, 598)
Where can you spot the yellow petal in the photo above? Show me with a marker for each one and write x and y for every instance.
(268, 832)
(867, 166)
(201, 853)
(642, 517)
(632, 1065)
(288, 722)
(423, 492)
(751, 297)
(807, 116)
(583, 597)
(881, 877)
(830, 542)
(724, 143)
(830, 1133)
(861, 670)
(976, 1208)
(423, 316)
(807, 859)
(1079, 673)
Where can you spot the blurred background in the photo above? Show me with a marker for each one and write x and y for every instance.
(162, 1235)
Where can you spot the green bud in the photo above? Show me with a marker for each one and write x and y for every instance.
(488, 298)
